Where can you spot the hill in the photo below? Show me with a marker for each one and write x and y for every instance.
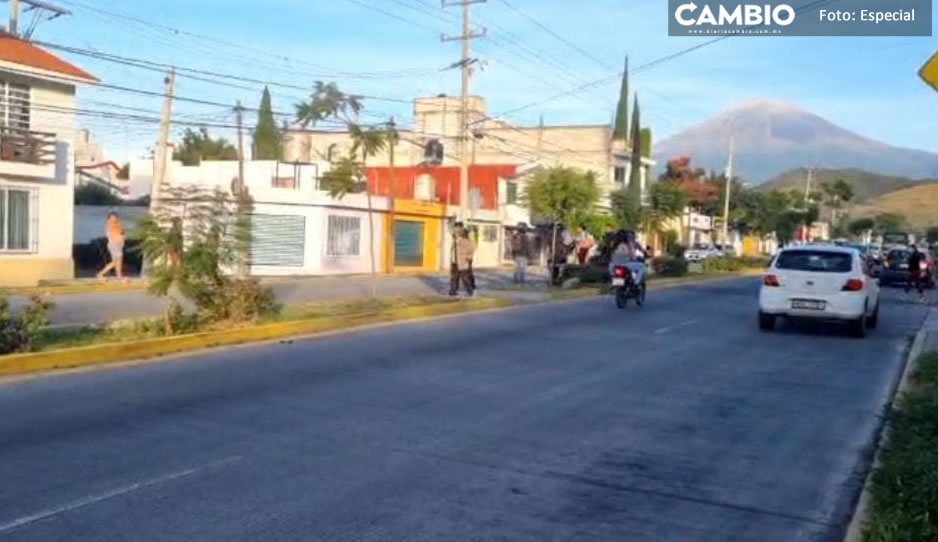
(866, 185)
(772, 137)
(918, 204)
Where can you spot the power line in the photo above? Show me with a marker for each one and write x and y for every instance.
(556, 35)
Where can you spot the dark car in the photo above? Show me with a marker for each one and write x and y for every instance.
(896, 267)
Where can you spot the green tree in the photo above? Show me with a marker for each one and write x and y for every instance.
(860, 225)
(562, 195)
(931, 235)
(347, 176)
(124, 172)
(635, 177)
(836, 194)
(199, 145)
(627, 208)
(621, 128)
(94, 194)
(889, 222)
(267, 137)
(646, 142)
(189, 247)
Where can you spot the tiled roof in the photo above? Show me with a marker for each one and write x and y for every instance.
(13, 49)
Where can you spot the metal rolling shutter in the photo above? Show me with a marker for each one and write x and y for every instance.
(278, 240)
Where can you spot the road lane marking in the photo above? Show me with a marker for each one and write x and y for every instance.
(117, 492)
(659, 331)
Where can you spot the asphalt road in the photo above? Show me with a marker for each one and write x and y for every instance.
(570, 421)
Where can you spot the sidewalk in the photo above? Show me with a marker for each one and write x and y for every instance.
(99, 307)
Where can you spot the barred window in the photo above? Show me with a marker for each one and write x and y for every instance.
(17, 220)
(619, 174)
(489, 234)
(343, 236)
(14, 105)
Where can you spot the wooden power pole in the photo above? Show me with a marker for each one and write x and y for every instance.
(466, 37)
(159, 165)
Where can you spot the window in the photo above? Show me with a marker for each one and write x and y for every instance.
(511, 193)
(489, 234)
(815, 260)
(15, 224)
(343, 236)
(619, 174)
(14, 105)
(277, 240)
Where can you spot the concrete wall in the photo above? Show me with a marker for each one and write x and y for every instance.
(53, 190)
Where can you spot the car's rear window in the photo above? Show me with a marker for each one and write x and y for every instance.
(814, 260)
(898, 256)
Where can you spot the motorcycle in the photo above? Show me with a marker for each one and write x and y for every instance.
(625, 287)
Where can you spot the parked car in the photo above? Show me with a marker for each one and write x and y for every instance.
(896, 270)
(726, 250)
(819, 282)
(700, 251)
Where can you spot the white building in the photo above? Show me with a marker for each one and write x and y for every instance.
(37, 178)
(296, 228)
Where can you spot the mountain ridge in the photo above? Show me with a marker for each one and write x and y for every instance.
(773, 136)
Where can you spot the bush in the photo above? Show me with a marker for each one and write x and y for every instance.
(593, 273)
(19, 333)
(905, 483)
(676, 250)
(733, 264)
(668, 266)
(234, 300)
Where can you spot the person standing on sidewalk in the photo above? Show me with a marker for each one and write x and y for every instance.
(115, 246)
(584, 244)
(520, 252)
(461, 269)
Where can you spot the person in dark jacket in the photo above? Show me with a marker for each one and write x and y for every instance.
(520, 252)
(916, 273)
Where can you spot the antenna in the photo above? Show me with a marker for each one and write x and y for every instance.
(38, 7)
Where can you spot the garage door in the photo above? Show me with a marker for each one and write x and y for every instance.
(278, 240)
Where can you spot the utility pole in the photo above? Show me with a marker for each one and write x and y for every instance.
(466, 63)
(807, 187)
(14, 16)
(726, 198)
(159, 165)
(392, 140)
(239, 121)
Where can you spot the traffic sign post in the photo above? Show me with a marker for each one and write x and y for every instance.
(929, 72)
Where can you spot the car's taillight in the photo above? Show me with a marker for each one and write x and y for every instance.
(853, 285)
(619, 271)
(770, 280)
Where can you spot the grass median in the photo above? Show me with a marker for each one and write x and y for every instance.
(904, 485)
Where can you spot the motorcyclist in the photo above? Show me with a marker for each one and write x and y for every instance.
(629, 253)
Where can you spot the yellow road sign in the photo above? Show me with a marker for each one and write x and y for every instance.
(929, 72)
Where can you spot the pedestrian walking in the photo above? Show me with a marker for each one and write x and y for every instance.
(114, 230)
(520, 252)
(461, 267)
(916, 273)
(584, 244)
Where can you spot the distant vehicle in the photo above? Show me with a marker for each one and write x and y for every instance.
(701, 251)
(896, 268)
(897, 239)
(725, 250)
(819, 282)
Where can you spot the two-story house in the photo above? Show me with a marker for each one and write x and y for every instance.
(37, 175)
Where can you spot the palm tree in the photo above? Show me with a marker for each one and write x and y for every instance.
(347, 173)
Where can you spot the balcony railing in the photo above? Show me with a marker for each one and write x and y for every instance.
(26, 146)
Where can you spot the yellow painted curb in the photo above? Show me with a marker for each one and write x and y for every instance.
(117, 352)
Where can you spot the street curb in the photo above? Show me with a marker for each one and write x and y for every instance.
(658, 284)
(860, 514)
(101, 354)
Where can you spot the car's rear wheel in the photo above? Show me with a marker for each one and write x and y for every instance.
(873, 320)
(766, 321)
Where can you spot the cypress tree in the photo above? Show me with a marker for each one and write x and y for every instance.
(621, 127)
(267, 138)
(635, 181)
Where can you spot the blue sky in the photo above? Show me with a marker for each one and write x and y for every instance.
(868, 85)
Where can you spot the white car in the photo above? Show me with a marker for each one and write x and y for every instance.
(822, 282)
(701, 252)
